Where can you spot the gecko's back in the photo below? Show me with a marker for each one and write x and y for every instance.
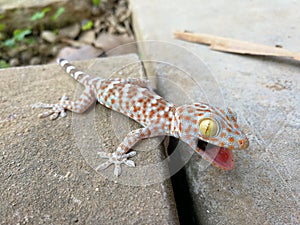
(138, 103)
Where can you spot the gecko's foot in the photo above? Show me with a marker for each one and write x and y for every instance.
(55, 109)
(113, 158)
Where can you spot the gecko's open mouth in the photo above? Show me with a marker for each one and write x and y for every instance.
(219, 156)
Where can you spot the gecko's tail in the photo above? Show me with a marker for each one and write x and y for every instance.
(78, 75)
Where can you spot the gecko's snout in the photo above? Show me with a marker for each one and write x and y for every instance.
(243, 143)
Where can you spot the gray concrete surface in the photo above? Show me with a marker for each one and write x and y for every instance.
(264, 186)
(47, 171)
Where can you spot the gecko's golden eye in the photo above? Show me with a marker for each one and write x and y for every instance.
(208, 127)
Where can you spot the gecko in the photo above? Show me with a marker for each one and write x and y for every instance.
(211, 131)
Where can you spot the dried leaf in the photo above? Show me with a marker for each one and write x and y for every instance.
(235, 46)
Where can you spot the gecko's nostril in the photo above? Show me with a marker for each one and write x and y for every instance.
(243, 143)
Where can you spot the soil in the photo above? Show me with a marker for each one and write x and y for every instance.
(82, 40)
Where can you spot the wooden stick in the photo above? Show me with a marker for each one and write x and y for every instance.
(235, 46)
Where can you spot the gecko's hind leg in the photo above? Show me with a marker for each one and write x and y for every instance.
(59, 109)
(55, 109)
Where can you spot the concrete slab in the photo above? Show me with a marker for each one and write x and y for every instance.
(47, 171)
(264, 186)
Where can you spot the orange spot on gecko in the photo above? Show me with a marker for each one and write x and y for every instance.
(231, 139)
(188, 129)
(190, 110)
(222, 135)
(187, 118)
(148, 132)
(151, 114)
(120, 101)
(194, 121)
(180, 127)
(213, 139)
(155, 129)
(230, 147)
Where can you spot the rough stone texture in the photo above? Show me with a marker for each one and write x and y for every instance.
(264, 186)
(17, 14)
(47, 177)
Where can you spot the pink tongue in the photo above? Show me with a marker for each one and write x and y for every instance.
(221, 157)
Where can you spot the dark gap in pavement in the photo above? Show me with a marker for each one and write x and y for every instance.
(184, 203)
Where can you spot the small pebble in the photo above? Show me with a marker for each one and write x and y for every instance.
(70, 31)
(88, 37)
(54, 50)
(26, 56)
(48, 36)
(35, 61)
(43, 49)
(96, 11)
(14, 62)
(2, 36)
(13, 52)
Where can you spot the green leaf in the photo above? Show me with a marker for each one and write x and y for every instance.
(58, 13)
(96, 2)
(3, 64)
(30, 41)
(10, 42)
(37, 16)
(88, 25)
(2, 26)
(1, 16)
(19, 35)
(47, 9)
(40, 15)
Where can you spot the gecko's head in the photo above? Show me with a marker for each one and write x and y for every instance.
(217, 133)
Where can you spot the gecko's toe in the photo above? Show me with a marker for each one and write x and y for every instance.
(117, 170)
(104, 155)
(55, 111)
(129, 163)
(104, 165)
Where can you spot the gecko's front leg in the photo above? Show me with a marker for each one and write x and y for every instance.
(120, 156)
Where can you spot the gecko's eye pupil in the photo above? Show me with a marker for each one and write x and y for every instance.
(208, 127)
